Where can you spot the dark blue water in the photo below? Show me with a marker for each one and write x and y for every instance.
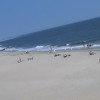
(72, 34)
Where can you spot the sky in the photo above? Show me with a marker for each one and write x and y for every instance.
(19, 17)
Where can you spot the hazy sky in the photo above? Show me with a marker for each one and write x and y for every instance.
(24, 16)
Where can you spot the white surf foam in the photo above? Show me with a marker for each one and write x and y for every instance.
(47, 48)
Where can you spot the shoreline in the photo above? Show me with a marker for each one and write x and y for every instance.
(48, 52)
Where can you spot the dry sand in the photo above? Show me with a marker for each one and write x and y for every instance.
(50, 78)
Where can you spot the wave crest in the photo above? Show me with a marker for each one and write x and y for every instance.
(47, 48)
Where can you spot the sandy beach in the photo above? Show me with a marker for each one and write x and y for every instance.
(45, 77)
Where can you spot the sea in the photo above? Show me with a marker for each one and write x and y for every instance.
(66, 37)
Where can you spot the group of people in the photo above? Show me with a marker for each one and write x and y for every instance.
(91, 53)
(20, 60)
(64, 55)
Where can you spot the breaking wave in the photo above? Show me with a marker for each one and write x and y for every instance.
(48, 47)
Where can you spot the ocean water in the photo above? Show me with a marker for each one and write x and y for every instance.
(60, 38)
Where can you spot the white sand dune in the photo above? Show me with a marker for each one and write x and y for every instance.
(50, 78)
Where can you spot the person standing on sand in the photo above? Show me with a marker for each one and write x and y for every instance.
(20, 60)
(50, 51)
(54, 51)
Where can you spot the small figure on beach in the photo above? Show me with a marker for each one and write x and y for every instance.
(27, 52)
(65, 55)
(89, 45)
(55, 55)
(30, 58)
(50, 50)
(54, 51)
(91, 53)
(20, 60)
